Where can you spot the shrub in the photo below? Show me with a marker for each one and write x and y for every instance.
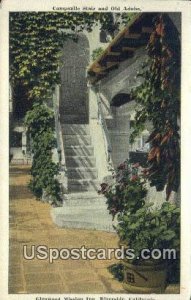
(40, 123)
(128, 191)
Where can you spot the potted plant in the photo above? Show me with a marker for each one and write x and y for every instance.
(155, 230)
(141, 226)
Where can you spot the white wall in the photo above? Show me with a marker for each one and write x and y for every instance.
(98, 139)
(122, 80)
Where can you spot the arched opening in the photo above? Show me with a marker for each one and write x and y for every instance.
(21, 104)
(119, 127)
(120, 99)
(73, 93)
(103, 36)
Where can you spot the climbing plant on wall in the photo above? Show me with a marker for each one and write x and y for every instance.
(40, 123)
(36, 41)
(158, 99)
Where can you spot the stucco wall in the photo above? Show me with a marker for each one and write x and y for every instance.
(123, 79)
(118, 81)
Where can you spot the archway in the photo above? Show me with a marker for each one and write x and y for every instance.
(73, 92)
(119, 127)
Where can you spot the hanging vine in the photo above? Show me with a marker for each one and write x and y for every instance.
(158, 100)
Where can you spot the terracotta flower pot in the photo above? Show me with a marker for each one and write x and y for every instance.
(145, 278)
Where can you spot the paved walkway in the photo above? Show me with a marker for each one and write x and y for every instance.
(30, 224)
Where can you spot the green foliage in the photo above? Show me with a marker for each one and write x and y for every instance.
(96, 53)
(158, 101)
(150, 228)
(127, 17)
(117, 270)
(35, 43)
(40, 123)
(140, 225)
(36, 40)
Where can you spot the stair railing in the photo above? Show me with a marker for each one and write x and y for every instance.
(60, 143)
(102, 121)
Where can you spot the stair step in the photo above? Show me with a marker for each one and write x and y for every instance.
(84, 219)
(73, 119)
(80, 140)
(82, 173)
(80, 161)
(79, 150)
(76, 185)
(88, 198)
(87, 217)
(76, 129)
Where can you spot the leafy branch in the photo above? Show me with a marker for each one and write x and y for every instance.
(158, 99)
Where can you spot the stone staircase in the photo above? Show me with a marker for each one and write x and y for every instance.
(80, 160)
(82, 207)
(86, 210)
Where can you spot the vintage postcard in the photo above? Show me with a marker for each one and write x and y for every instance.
(95, 150)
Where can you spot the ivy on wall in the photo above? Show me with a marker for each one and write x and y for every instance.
(158, 99)
(36, 42)
(96, 53)
(40, 124)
